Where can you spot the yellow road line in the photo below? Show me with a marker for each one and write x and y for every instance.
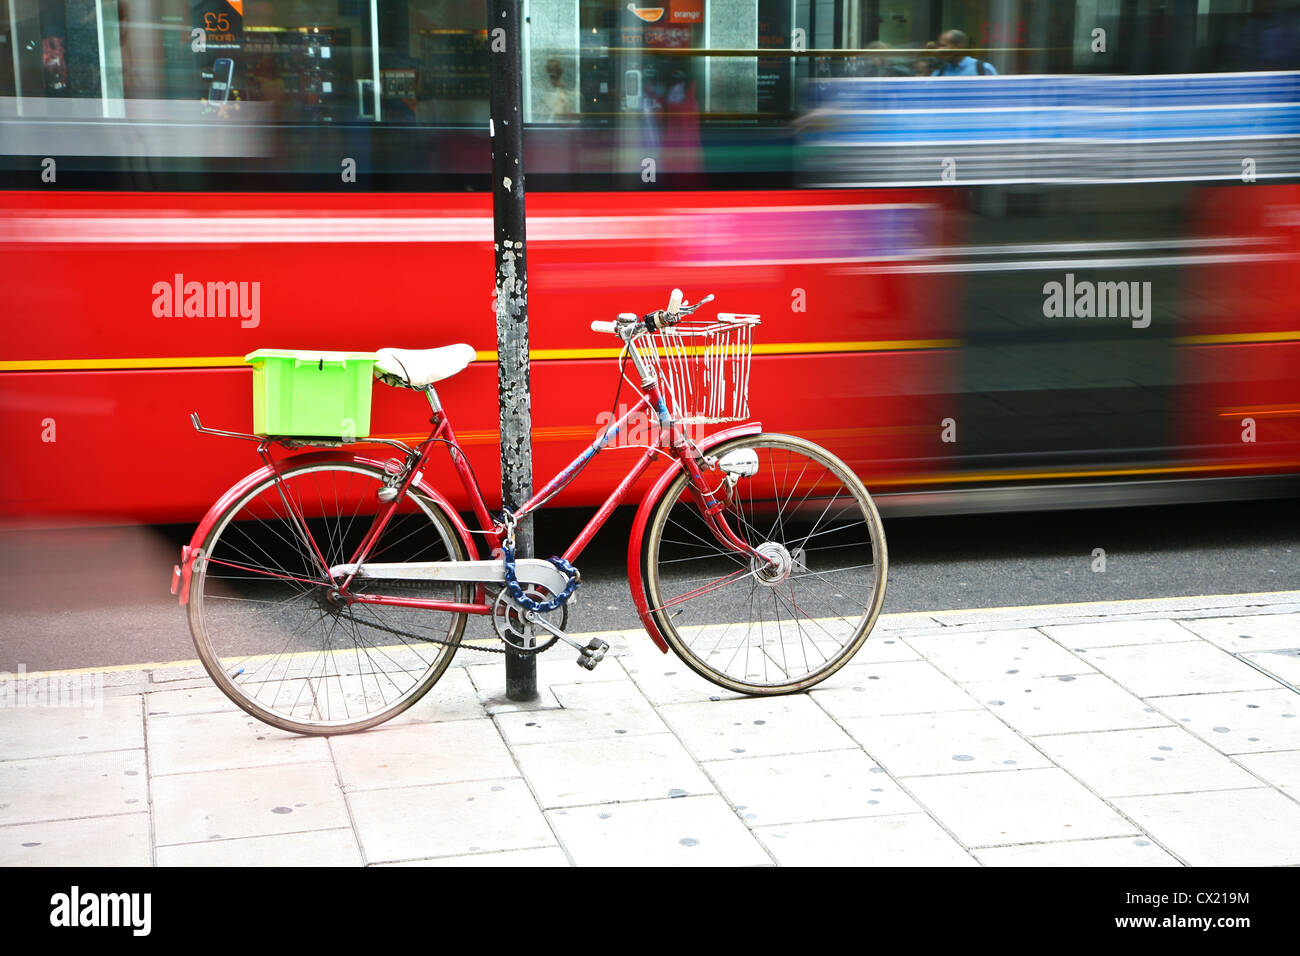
(536, 355)
(967, 477)
(88, 365)
(552, 355)
(1261, 411)
(1238, 337)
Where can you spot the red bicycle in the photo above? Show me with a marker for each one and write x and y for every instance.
(328, 590)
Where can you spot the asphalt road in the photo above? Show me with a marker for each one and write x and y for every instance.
(98, 597)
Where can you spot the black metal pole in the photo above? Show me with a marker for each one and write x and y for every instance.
(506, 126)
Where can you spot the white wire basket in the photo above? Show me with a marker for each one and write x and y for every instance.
(703, 367)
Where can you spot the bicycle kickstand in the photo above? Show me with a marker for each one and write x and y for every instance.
(588, 656)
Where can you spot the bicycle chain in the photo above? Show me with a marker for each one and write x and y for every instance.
(429, 640)
(521, 651)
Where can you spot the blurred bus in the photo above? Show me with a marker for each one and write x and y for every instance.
(1063, 285)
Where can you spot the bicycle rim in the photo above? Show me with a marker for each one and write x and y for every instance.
(737, 621)
(266, 629)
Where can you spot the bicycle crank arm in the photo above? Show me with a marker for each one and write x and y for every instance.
(534, 571)
(589, 655)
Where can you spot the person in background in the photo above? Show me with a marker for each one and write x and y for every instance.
(558, 103)
(953, 61)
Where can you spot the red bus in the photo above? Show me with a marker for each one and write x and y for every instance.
(185, 184)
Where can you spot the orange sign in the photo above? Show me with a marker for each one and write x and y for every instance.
(686, 11)
(238, 5)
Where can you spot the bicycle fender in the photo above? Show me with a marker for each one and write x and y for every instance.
(182, 572)
(634, 571)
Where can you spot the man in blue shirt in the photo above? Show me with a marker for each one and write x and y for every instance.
(955, 63)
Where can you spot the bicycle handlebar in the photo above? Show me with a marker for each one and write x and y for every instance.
(674, 302)
(652, 321)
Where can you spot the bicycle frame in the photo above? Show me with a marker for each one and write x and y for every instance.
(671, 442)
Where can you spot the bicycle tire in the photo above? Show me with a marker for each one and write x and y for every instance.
(266, 634)
(798, 642)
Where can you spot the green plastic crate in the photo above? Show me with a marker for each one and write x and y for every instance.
(318, 394)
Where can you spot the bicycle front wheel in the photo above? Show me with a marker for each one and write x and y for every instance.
(761, 628)
(270, 628)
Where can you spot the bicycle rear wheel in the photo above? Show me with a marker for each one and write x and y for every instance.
(273, 635)
(769, 629)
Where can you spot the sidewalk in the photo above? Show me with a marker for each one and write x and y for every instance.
(1138, 733)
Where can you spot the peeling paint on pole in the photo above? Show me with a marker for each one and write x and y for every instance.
(513, 387)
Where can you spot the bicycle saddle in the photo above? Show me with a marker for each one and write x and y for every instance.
(420, 367)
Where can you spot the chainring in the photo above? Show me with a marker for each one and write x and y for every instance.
(508, 620)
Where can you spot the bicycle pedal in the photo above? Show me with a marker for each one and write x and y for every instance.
(592, 654)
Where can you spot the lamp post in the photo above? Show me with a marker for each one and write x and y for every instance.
(506, 126)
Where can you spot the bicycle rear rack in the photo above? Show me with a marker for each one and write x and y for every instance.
(296, 441)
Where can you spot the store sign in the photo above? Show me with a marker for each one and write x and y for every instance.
(686, 11)
(221, 21)
(648, 14)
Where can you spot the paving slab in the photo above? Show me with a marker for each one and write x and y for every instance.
(977, 656)
(1017, 806)
(691, 831)
(1120, 763)
(1263, 604)
(453, 819)
(28, 731)
(424, 753)
(1249, 633)
(315, 848)
(908, 687)
(664, 679)
(1222, 828)
(186, 743)
(959, 742)
(1164, 670)
(1110, 852)
(123, 840)
(1116, 633)
(454, 697)
(1067, 704)
(586, 712)
(190, 700)
(76, 785)
(1283, 664)
(611, 770)
(904, 621)
(188, 673)
(118, 677)
(804, 787)
(908, 839)
(754, 727)
(1280, 768)
(253, 801)
(1233, 723)
(887, 647)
